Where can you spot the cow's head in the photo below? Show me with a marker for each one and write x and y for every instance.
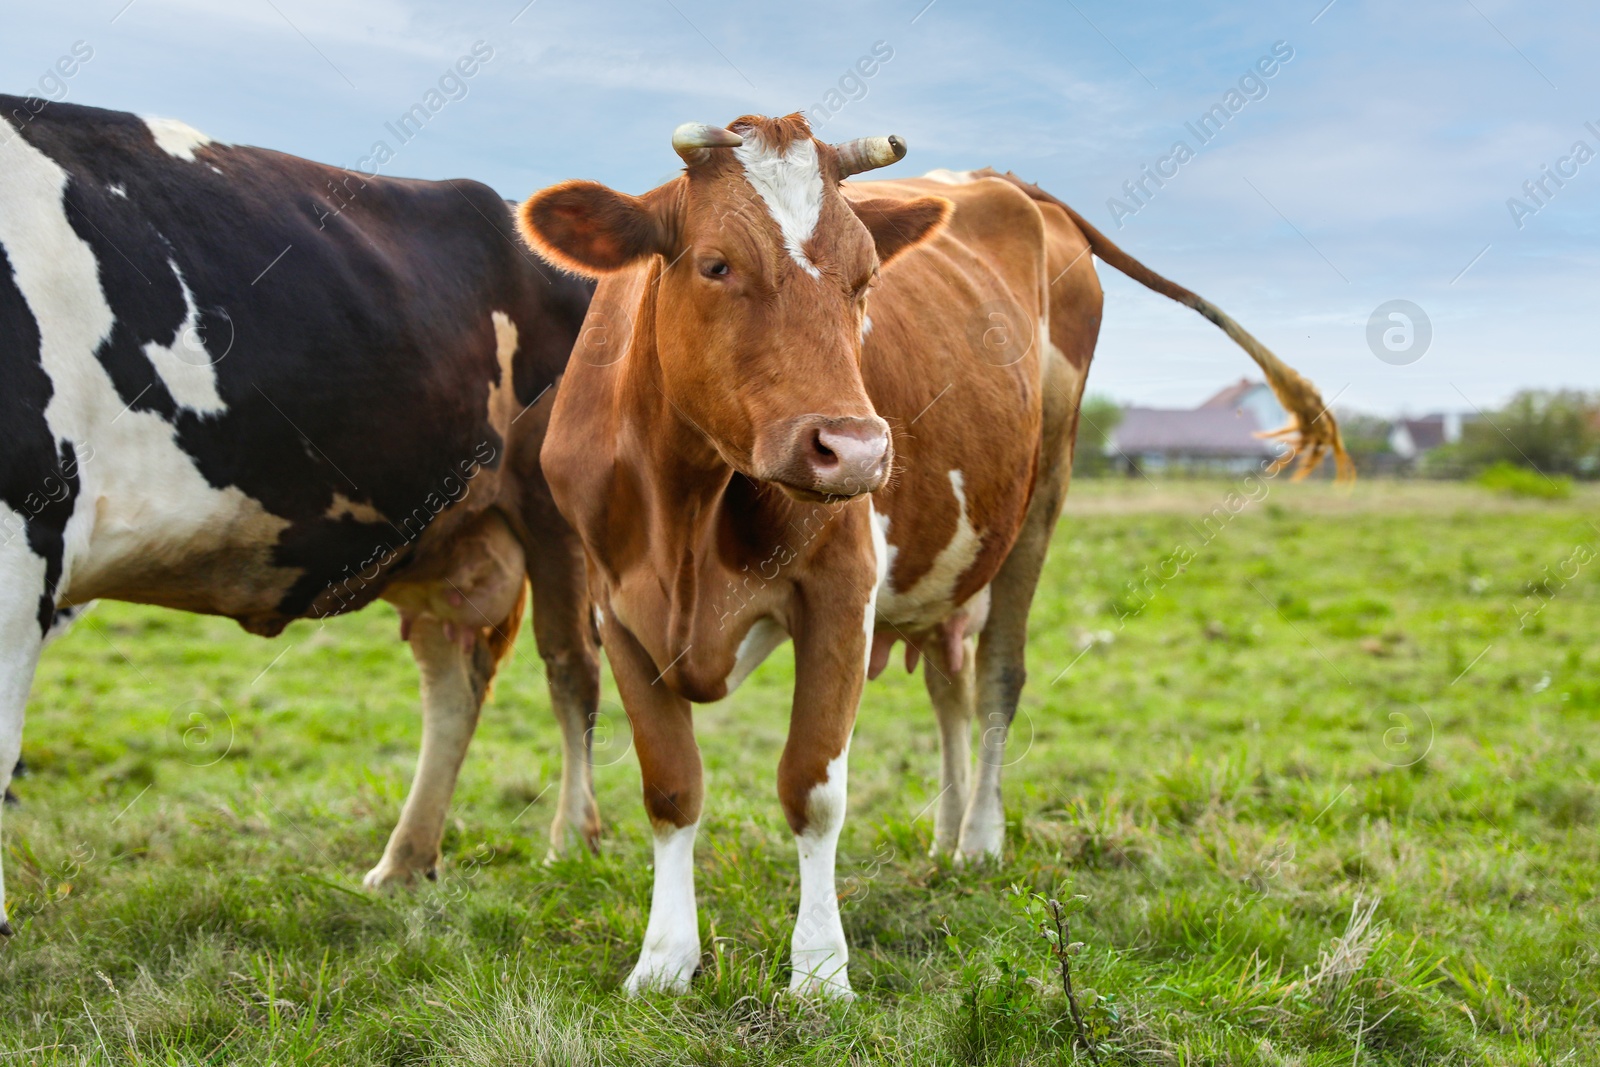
(761, 307)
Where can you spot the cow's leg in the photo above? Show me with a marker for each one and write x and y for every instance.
(952, 694)
(446, 620)
(64, 618)
(454, 681)
(670, 772)
(1001, 672)
(831, 644)
(1002, 644)
(22, 580)
(564, 627)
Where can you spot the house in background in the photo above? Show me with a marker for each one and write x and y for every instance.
(1410, 438)
(1256, 398)
(1220, 434)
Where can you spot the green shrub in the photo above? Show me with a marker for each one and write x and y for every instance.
(1098, 416)
(1506, 477)
(1557, 431)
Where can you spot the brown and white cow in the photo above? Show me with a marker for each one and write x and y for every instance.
(755, 457)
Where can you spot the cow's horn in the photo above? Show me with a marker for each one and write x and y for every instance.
(869, 153)
(692, 139)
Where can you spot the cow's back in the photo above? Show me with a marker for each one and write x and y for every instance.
(246, 383)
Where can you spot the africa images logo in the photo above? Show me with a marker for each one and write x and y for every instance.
(1154, 176)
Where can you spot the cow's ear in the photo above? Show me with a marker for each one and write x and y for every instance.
(897, 225)
(590, 229)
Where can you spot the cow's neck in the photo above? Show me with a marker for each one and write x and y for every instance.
(684, 481)
(680, 463)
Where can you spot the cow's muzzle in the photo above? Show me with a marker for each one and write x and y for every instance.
(842, 456)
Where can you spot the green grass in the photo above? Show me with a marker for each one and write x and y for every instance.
(1391, 697)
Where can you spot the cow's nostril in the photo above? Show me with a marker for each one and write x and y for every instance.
(840, 456)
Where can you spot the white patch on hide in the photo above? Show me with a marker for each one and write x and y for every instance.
(143, 507)
(187, 366)
(177, 139)
(931, 600)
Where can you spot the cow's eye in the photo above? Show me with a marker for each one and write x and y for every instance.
(716, 268)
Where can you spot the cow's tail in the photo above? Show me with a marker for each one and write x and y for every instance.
(1312, 432)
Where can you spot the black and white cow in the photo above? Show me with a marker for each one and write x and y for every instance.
(241, 383)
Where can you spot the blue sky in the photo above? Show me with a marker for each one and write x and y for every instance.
(1374, 165)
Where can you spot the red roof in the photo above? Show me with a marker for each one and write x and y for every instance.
(1427, 433)
(1204, 431)
(1232, 395)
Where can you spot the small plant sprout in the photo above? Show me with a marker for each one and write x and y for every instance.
(1052, 918)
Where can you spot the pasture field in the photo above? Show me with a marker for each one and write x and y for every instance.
(1331, 790)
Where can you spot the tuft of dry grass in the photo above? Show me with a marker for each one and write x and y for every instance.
(1343, 958)
(522, 1027)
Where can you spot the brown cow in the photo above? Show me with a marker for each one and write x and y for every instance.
(753, 457)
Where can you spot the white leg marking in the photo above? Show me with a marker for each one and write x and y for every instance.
(22, 577)
(448, 619)
(819, 957)
(953, 702)
(449, 717)
(818, 953)
(577, 819)
(575, 804)
(983, 829)
(671, 948)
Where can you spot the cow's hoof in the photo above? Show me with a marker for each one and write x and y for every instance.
(978, 855)
(577, 825)
(11, 800)
(386, 875)
(824, 986)
(977, 858)
(569, 842)
(6, 929)
(981, 844)
(666, 971)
